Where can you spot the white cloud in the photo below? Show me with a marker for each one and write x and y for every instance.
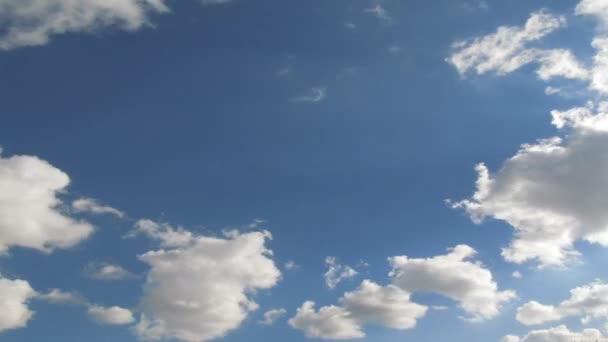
(517, 275)
(291, 265)
(105, 271)
(317, 94)
(379, 12)
(551, 192)
(163, 232)
(453, 275)
(271, 316)
(589, 302)
(89, 205)
(111, 316)
(336, 272)
(34, 22)
(14, 298)
(599, 78)
(57, 296)
(597, 8)
(559, 334)
(200, 290)
(371, 303)
(30, 214)
(507, 50)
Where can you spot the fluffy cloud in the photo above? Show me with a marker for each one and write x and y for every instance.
(453, 275)
(163, 232)
(559, 334)
(108, 272)
(507, 50)
(30, 214)
(111, 316)
(34, 22)
(337, 272)
(371, 303)
(14, 298)
(200, 290)
(89, 205)
(551, 192)
(589, 301)
(271, 316)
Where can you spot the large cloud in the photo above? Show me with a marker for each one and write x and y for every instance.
(30, 214)
(371, 303)
(559, 334)
(589, 301)
(553, 192)
(455, 276)
(200, 290)
(14, 298)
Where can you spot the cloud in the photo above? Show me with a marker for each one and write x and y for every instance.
(559, 334)
(271, 316)
(371, 303)
(317, 94)
(507, 50)
(453, 276)
(106, 272)
(167, 235)
(57, 296)
(111, 316)
(589, 301)
(379, 12)
(14, 298)
(201, 290)
(336, 272)
(35, 22)
(517, 275)
(30, 214)
(551, 192)
(89, 205)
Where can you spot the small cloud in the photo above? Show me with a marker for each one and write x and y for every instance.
(114, 315)
(439, 307)
(291, 265)
(395, 49)
(350, 25)
(89, 205)
(57, 296)
(271, 316)
(106, 272)
(517, 275)
(336, 272)
(317, 94)
(379, 12)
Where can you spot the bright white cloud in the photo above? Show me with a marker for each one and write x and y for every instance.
(14, 298)
(589, 302)
(30, 214)
(163, 232)
(89, 205)
(34, 22)
(201, 290)
(371, 303)
(108, 272)
(551, 192)
(455, 276)
(111, 316)
(559, 334)
(507, 50)
(336, 272)
(271, 316)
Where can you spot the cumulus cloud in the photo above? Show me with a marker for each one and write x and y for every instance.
(57, 296)
(111, 316)
(89, 205)
(35, 22)
(388, 306)
(201, 290)
(455, 276)
(551, 192)
(30, 209)
(559, 334)
(336, 272)
(107, 272)
(271, 316)
(168, 235)
(14, 298)
(589, 302)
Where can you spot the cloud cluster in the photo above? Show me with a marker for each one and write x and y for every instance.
(452, 275)
(201, 290)
(551, 192)
(30, 209)
(559, 334)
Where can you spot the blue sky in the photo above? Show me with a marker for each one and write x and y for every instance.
(174, 170)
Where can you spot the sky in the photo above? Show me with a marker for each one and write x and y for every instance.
(279, 170)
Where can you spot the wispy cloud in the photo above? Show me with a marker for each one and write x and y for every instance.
(316, 94)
